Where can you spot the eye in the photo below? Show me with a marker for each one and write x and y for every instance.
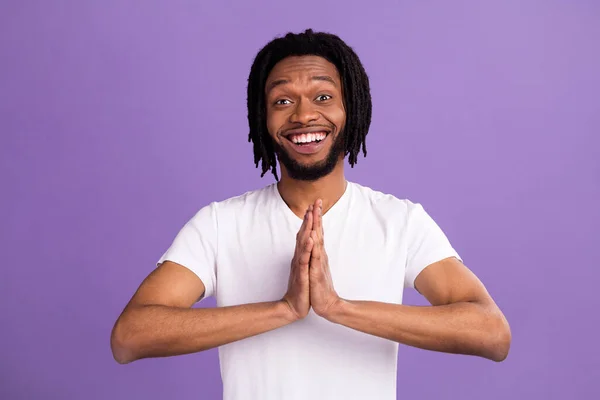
(323, 97)
(282, 102)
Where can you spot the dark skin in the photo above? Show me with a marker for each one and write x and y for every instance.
(308, 92)
(158, 321)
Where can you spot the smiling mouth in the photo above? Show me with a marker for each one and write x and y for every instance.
(303, 139)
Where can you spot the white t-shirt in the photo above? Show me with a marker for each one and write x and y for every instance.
(242, 247)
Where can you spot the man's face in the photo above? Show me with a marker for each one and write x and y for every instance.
(306, 116)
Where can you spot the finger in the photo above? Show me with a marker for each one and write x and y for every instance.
(311, 220)
(309, 225)
(303, 226)
(305, 229)
(315, 255)
(322, 229)
(306, 251)
(318, 217)
(321, 222)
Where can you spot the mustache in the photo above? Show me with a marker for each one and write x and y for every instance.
(308, 129)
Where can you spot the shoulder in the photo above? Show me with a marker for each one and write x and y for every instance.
(252, 198)
(234, 206)
(383, 203)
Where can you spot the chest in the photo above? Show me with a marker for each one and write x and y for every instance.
(366, 256)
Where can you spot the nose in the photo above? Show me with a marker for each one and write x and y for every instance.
(304, 113)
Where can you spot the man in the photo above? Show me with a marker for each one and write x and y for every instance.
(309, 272)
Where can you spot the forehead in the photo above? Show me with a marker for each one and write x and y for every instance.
(302, 67)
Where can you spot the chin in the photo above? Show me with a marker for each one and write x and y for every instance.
(310, 167)
(308, 171)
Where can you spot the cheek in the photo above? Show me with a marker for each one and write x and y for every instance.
(272, 123)
(337, 115)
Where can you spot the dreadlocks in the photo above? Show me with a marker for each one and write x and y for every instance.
(355, 86)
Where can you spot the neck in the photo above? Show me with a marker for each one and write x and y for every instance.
(298, 195)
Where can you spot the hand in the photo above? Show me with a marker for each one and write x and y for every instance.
(298, 294)
(322, 294)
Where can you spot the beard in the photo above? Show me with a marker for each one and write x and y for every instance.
(311, 172)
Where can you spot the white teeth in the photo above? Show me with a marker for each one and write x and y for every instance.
(308, 137)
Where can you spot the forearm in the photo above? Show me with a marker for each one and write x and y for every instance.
(460, 328)
(160, 331)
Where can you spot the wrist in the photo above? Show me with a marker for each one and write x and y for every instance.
(336, 311)
(285, 311)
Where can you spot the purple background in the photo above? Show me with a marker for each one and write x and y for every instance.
(119, 120)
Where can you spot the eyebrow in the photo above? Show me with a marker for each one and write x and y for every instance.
(279, 82)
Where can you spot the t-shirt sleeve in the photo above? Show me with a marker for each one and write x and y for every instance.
(427, 243)
(195, 247)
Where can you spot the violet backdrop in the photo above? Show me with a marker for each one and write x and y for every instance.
(120, 119)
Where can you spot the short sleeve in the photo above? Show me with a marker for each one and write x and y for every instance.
(195, 247)
(427, 243)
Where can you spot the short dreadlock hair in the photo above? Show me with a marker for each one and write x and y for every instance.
(355, 87)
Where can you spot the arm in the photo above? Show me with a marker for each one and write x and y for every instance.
(159, 322)
(463, 318)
